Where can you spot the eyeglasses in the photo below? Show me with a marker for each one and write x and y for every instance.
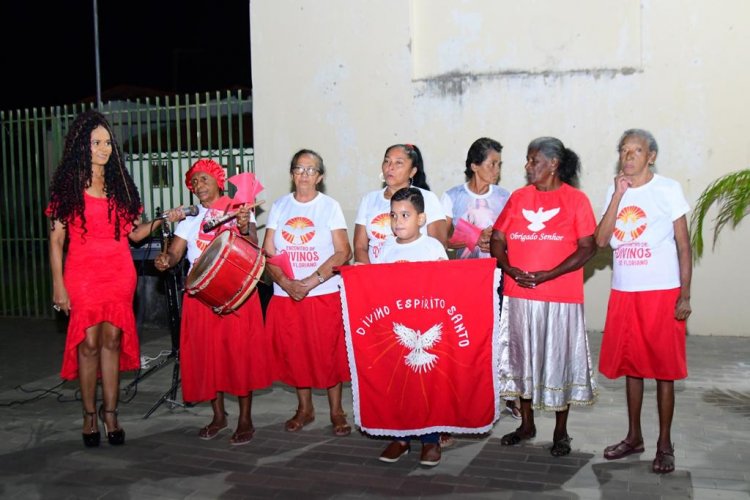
(306, 171)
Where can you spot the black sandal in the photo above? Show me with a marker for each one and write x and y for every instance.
(664, 461)
(515, 437)
(115, 436)
(91, 438)
(561, 447)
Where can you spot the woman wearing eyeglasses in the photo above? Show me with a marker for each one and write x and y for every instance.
(402, 167)
(304, 315)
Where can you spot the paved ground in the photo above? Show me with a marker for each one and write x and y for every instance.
(42, 456)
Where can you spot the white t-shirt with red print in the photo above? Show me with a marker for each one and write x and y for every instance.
(375, 215)
(303, 230)
(645, 252)
(425, 248)
(190, 229)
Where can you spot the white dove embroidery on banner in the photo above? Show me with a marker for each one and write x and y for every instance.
(539, 217)
(418, 358)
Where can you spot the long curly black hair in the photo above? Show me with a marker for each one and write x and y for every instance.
(73, 176)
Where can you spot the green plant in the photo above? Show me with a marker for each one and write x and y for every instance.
(731, 194)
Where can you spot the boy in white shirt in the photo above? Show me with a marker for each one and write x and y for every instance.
(409, 245)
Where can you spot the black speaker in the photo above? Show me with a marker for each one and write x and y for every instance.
(150, 301)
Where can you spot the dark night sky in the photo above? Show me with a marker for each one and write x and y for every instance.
(156, 47)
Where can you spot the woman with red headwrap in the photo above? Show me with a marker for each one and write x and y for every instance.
(218, 353)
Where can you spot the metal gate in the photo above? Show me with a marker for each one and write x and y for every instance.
(160, 139)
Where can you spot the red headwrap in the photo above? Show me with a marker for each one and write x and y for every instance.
(208, 166)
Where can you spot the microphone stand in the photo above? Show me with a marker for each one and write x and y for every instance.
(173, 280)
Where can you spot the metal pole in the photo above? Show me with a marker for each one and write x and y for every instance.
(96, 56)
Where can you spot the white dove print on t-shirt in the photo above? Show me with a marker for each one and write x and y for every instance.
(538, 218)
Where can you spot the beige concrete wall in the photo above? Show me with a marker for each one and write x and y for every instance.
(350, 77)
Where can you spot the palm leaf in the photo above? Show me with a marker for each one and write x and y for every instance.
(731, 194)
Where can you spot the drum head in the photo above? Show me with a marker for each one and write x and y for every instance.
(205, 263)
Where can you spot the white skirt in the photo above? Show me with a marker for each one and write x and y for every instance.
(544, 354)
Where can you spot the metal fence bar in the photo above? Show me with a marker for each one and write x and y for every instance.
(136, 178)
(168, 180)
(209, 127)
(15, 251)
(24, 229)
(5, 289)
(224, 160)
(179, 127)
(241, 131)
(43, 174)
(234, 107)
(160, 139)
(147, 194)
(35, 222)
(230, 139)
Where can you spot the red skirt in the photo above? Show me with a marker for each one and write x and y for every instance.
(223, 353)
(642, 338)
(308, 341)
(82, 318)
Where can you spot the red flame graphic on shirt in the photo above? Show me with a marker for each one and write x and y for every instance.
(382, 222)
(298, 230)
(630, 223)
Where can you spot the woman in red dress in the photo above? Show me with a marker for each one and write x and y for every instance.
(218, 353)
(95, 206)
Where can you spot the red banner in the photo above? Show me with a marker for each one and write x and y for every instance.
(422, 339)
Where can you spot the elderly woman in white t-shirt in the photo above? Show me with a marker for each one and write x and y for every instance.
(645, 222)
(402, 167)
(218, 354)
(304, 315)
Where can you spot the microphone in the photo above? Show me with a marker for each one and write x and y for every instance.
(211, 224)
(192, 210)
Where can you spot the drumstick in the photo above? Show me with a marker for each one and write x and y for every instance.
(164, 238)
(164, 242)
(164, 245)
(211, 224)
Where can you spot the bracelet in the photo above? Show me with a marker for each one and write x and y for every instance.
(321, 279)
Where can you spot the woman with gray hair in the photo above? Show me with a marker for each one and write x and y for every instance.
(542, 239)
(645, 223)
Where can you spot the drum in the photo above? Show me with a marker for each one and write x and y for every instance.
(226, 273)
